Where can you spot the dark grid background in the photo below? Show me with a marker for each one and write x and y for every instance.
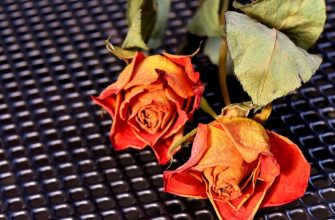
(55, 157)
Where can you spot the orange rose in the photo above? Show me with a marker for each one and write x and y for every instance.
(240, 167)
(151, 101)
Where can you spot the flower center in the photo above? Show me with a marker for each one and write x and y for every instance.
(222, 182)
(149, 119)
(228, 191)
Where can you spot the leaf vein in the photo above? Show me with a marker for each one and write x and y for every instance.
(260, 91)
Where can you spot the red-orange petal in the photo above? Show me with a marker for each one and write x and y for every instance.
(199, 148)
(180, 181)
(179, 123)
(294, 172)
(250, 207)
(162, 148)
(184, 61)
(108, 103)
(184, 184)
(124, 77)
(122, 135)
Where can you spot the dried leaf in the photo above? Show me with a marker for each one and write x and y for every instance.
(266, 62)
(157, 35)
(141, 17)
(133, 6)
(121, 53)
(206, 20)
(134, 38)
(262, 116)
(301, 20)
(237, 110)
(211, 49)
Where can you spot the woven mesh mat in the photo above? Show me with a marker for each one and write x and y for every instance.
(55, 157)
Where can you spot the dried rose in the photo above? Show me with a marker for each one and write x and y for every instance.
(151, 101)
(240, 167)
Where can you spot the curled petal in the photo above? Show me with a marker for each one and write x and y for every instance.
(156, 66)
(220, 152)
(249, 137)
(124, 77)
(122, 134)
(186, 182)
(152, 139)
(162, 148)
(179, 123)
(199, 148)
(145, 74)
(198, 90)
(184, 61)
(226, 210)
(108, 103)
(294, 172)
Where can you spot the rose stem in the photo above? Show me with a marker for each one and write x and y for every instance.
(182, 140)
(204, 105)
(223, 72)
(223, 57)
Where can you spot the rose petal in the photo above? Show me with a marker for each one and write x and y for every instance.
(122, 134)
(181, 119)
(270, 169)
(131, 98)
(173, 97)
(198, 90)
(145, 73)
(249, 137)
(108, 103)
(250, 207)
(174, 75)
(154, 100)
(221, 151)
(184, 184)
(124, 77)
(141, 96)
(294, 172)
(248, 186)
(162, 148)
(185, 62)
(148, 138)
(182, 116)
(225, 211)
(199, 147)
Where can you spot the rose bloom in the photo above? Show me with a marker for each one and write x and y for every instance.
(240, 167)
(151, 101)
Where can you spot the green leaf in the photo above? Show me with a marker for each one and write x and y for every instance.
(141, 17)
(121, 53)
(157, 35)
(149, 16)
(301, 20)
(212, 49)
(133, 7)
(134, 38)
(266, 62)
(206, 21)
